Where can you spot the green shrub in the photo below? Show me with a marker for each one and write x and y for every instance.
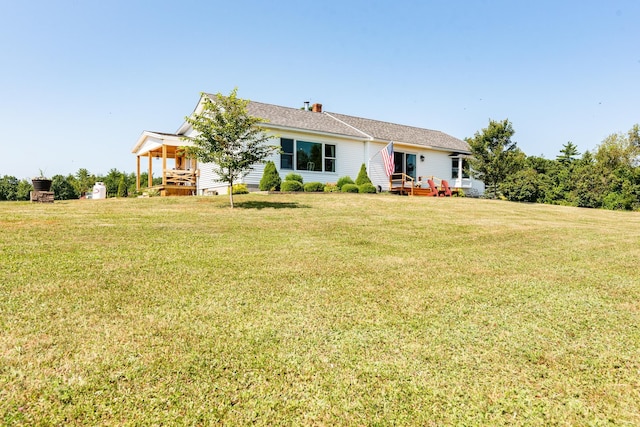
(270, 178)
(240, 189)
(311, 187)
(617, 201)
(294, 177)
(122, 187)
(291, 186)
(363, 178)
(526, 185)
(331, 188)
(367, 187)
(350, 188)
(344, 180)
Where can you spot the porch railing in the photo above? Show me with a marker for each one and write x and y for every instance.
(402, 183)
(180, 177)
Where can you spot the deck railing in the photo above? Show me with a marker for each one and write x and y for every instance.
(180, 177)
(402, 183)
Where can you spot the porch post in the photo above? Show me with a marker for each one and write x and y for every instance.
(150, 177)
(138, 173)
(164, 164)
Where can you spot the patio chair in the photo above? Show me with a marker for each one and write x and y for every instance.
(434, 189)
(445, 190)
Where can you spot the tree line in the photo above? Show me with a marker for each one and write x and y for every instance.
(608, 177)
(75, 186)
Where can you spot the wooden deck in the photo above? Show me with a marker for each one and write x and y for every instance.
(412, 191)
(404, 185)
(173, 190)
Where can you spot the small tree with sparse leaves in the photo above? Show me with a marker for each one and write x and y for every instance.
(228, 137)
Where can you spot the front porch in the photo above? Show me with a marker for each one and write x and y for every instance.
(179, 172)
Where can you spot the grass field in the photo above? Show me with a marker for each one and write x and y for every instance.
(326, 309)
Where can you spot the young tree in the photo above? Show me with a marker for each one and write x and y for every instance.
(362, 177)
(229, 138)
(495, 156)
(122, 187)
(84, 181)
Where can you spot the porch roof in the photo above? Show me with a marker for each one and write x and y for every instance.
(152, 142)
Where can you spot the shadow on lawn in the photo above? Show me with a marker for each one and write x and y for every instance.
(275, 205)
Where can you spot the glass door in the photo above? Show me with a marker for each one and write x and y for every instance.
(410, 165)
(404, 163)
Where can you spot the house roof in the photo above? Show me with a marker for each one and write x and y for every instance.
(301, 119)
(353, 127)
(386, 131)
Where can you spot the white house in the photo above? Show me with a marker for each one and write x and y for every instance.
(320, 146)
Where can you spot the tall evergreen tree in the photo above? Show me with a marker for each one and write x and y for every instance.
(568, 153)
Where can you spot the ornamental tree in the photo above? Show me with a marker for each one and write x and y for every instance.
(270, 178)
(363, 178)
(228, 138)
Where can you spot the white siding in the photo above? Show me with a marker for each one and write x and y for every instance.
(436, 164)
(208, 182)
(350, 155)
(375, 167)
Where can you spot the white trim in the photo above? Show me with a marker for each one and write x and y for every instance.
(348, 125)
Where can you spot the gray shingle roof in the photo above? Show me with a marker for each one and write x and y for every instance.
(350, 126)
(408, 134)
(300, 119)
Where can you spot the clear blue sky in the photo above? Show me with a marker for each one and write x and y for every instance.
(81, 80)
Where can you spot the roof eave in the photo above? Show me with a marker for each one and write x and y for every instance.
(271, 126)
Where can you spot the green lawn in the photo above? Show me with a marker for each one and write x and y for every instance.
(318, 309)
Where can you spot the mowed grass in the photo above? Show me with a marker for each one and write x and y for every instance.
(326, 309)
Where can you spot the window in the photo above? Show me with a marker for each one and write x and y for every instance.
(455, 168)
(286, 158)
(307, 156)
(456, 164)
(329, 158)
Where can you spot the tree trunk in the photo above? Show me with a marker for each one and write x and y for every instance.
(231, 194)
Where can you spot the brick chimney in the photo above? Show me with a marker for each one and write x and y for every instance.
(316, 108)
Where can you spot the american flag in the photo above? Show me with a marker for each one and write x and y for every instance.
(387, 158)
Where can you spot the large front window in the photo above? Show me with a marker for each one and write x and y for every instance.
(307, 156)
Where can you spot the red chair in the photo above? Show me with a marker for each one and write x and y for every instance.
(445, 190)
(434, 189)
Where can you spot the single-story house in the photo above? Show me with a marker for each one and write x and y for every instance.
(320, 146)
